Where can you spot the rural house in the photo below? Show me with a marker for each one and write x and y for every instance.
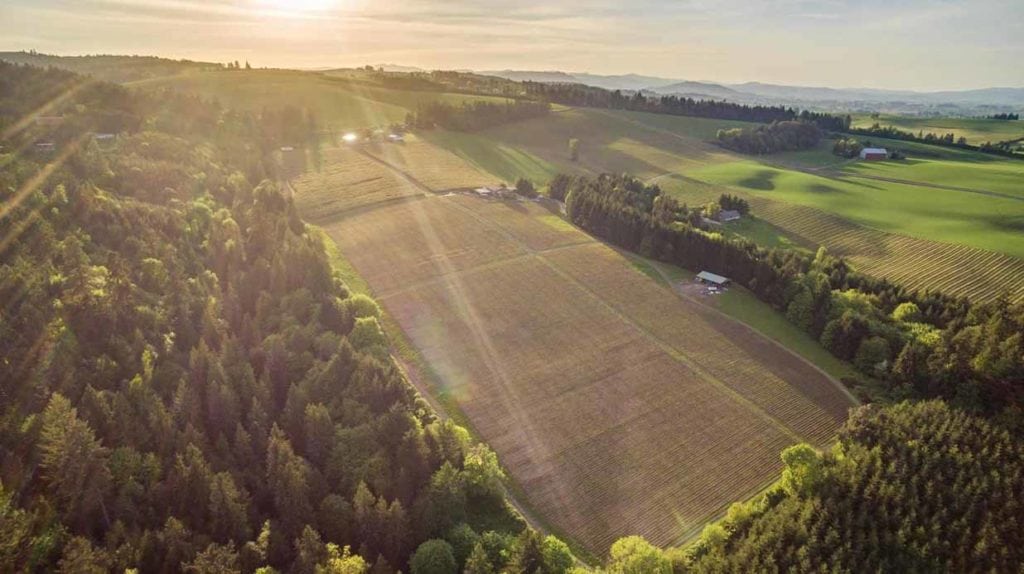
(710, 278)
(874, 153)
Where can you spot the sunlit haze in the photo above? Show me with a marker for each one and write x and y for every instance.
(916, 44)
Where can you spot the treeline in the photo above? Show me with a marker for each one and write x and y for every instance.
(187, 386)
(589, 96)
(1003, 117)
(921, 344)
(948, 140)
(771, 138)
(473, 116)
(910, 488)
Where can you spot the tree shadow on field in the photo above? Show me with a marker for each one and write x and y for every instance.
(763, 179)
(823, 188)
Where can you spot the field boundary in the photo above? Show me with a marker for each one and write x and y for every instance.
(425, 383)
(675, 288)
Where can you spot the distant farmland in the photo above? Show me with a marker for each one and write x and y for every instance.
(339, 103)
(618, 407)
(901, 220)
(976, 130)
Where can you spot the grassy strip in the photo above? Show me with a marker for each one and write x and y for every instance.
(407, 354)
(741, 304)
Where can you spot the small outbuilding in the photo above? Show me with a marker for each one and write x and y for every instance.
(710, 278)
(874, 153)
(727, 215)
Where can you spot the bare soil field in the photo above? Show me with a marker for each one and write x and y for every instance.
(365, 181)
(617, 407)
(434, 167)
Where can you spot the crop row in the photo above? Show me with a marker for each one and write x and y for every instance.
(617, 408)
(917, 263)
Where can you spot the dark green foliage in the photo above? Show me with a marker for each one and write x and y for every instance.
(433, 557)
(734, 202)
(558, 187)
(525, 188)
(847, 147)
(775, 137)
(185, 381)
(911, 488)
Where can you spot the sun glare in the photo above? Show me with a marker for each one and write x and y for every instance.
(298, 6)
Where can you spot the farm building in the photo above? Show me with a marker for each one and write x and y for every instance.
(396, 138)
(727, 215)
(103, 137)
(495, 191)
(874, 153)
(713, 279)
(45, 147)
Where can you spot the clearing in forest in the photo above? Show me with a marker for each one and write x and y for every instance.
(617, 407)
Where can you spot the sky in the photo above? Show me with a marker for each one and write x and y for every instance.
(894, 44)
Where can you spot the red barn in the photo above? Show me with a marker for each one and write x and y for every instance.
(874, 153)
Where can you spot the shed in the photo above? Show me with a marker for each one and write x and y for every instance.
(874, 153)
(46, 147)
(712, 278)
(396, 138)
(727, 215)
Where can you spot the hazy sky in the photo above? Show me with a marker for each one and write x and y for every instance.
(916, 44)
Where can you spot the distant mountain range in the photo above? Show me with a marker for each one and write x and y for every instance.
(760, 93)
(948, 102)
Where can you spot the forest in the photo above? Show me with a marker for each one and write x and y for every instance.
(916, 487)
(771, 138)
(920, 344)
(187, 386)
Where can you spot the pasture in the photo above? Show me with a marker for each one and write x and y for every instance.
(888, 218)
(616, 406)
(931, 213)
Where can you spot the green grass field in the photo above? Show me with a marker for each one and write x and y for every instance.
(985, 222)
(339, 103)
(609, 141)
(976, 130)
(1002, 176)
